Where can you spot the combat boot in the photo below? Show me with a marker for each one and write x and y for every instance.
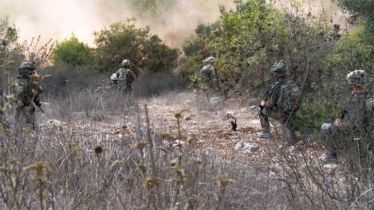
(263, 135)
(329, 159)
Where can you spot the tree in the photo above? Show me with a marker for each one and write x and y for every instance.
(72, 51)
(144, 50)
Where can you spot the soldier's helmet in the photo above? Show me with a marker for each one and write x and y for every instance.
(27, 67)
(209, 60)
(280, 69)
(356, 77)
(125, 63)
(113, 77)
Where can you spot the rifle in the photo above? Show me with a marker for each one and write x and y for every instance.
(268, 94)
(34, 105)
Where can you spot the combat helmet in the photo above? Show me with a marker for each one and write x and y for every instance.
(125, 63)
(209, 60)
(356, 77)
(280, 69)
(27, 67)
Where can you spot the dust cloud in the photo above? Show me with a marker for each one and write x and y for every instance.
(58, 19)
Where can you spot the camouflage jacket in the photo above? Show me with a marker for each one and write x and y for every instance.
(274, 94)
(356, 116)
(27, 90)
(125, 75)
(208, 73)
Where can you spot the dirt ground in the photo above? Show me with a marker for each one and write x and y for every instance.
(207, 121)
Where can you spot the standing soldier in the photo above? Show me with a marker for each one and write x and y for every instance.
(281, 104)
(27, 93)
(208, 74)
(354, 125)
(125, 77)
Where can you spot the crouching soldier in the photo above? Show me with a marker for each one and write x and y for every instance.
(281, 104)
(351, 132)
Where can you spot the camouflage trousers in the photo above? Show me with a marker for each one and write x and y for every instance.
(287, 121)
(26, 115)
(351, 145)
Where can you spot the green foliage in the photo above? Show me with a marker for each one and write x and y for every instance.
(363, 8)
(310, 118)
(72, 51)
(195, 43)
(248, 41)
(146, 51)
(11, 52)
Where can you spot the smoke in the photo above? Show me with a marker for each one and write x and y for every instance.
(58, 19)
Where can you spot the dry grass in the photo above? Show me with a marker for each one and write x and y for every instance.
(91, 162)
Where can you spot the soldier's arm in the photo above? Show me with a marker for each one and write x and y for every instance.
(118, 73)
(132, 75)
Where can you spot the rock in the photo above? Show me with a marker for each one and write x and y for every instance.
(275, 159)
(215, 100)
(252, 107)
(247, 147)
(120, 136)
(230, 115)
(188, 102)
(330, 166)
(251, 147)
(239, 145)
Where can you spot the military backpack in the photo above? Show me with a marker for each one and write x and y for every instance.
(290, 97)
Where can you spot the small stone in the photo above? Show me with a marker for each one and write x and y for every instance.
(230, 115)
(252, 107)
(120, 136)
(251, 147)
(239, 145)
(215, 100)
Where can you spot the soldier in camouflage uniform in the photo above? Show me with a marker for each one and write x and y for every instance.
(27, 94)
(208, 74)
(125, 77)
(271, 107)
(354, 126)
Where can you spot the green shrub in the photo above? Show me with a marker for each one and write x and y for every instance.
(146, 51)
(73, 52)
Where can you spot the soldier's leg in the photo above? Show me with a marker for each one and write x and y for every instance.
(30, 117)
(288, 125)
(265, 125)
(330, 144)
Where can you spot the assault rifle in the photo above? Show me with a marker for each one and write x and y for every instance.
(268, 94)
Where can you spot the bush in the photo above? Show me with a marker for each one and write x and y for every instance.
(72, 52)
(146, 52)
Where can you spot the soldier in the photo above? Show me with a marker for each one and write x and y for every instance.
(281, 104)
(352, 128)
(125, 77)
(27, 93)
(208, 74)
